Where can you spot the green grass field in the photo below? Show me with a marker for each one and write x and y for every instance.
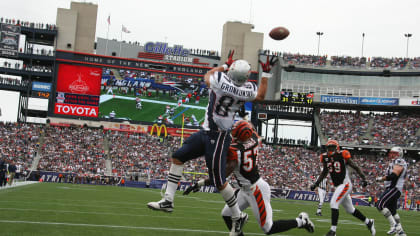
(66, 209)
(150, 111)
(162, 97)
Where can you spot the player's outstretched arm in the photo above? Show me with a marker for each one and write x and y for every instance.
(323, 174)
(359, 171)
(396, 172)
(265, 76)
(221, 68)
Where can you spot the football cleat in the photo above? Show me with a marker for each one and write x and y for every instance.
(392, 230)
(371, 227)
(238, 224)
(318, 214)
(162, 205)
(307, 223)
(330, 233)
(400, 231)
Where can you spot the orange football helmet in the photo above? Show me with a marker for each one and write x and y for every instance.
(332, 146)
(242, 131)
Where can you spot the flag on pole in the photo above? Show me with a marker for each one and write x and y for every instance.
(109, 19)
(125, 30)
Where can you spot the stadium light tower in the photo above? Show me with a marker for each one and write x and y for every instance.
(319, 39)
(407, 35)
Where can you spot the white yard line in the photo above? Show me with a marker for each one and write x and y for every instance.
(18, 184)
(120, 227)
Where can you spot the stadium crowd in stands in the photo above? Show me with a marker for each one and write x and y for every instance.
(395, 129)
(80, 152)
(31, 49)
(348, 61)
(19, 66)
(299, 59)
(344, 126)
(395, 63)
(67, 149)
(28, 24)
(391, 63)
(145, 155)
(385, 129)
(13, 81)
(19, 142)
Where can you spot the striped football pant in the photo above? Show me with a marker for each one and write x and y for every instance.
(258, 197)
(342, 197)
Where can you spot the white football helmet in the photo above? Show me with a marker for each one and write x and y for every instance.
(398, 150)
(239, 72)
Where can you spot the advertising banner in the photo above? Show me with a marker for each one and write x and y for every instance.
(40, 86)
(76, 110)
(77, 99)
(339, 99)
(10, 28)
(8, 53)
(378, 101)
(163, 130)
(409, 101)
(9, 41)
(127, 127)
(312, 196)
(79, 79)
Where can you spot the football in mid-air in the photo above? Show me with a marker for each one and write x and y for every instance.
(279, 33)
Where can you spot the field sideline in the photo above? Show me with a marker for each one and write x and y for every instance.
(67, 209)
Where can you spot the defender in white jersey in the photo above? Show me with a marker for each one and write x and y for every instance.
(254, 192)
(228, 92)
(394, 182)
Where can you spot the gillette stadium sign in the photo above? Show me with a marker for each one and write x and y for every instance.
(163, 48)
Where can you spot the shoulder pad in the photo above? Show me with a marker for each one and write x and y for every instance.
(345, 154)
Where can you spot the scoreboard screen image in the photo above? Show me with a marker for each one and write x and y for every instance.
(78, 90)
(116, 93)
(296, 98)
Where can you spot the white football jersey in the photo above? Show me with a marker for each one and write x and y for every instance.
(225, 99)
(400, 181)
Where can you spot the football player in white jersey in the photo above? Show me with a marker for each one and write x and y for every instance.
(227, 93)
(254, 191)
(394, 182)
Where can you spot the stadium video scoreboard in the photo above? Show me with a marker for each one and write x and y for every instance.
(78, 90)
(296, 98)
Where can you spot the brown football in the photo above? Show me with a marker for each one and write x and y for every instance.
(279, 33)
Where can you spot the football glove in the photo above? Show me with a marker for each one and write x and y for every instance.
(313, 187)
(363, 183)
(194, 188)
(266, 67)
(230, 60)
(379, 179)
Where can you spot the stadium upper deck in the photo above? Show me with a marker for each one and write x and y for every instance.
(377, 77)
